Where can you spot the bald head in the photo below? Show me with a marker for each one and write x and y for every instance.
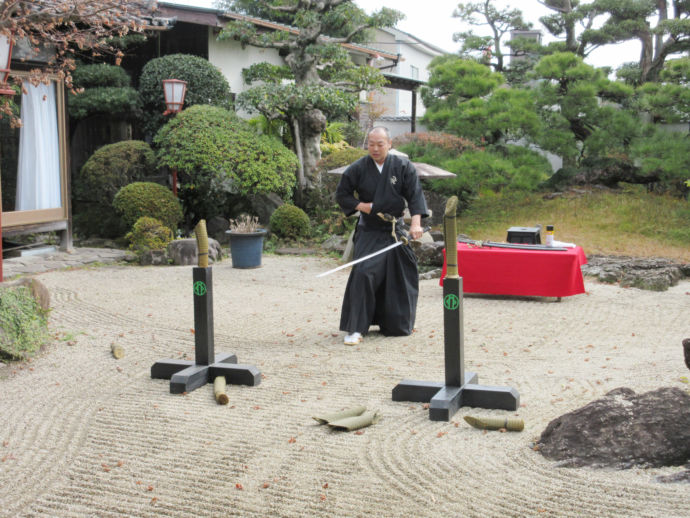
(378, 144)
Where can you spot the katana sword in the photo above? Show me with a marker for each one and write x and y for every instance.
(517, 246)
(378, 252)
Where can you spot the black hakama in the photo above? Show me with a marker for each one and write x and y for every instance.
(382, 290)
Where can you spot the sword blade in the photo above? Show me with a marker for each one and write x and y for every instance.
(379, 252)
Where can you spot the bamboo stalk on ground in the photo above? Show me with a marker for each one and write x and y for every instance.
(219, 390)
(118, 351)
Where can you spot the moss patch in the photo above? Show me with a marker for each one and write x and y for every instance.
(23, 324)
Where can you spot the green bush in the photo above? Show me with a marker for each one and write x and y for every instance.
(290, 221)
(140, 199)
(112, 167)
(114, 101)
(340, 157)
(149, 234)
(102, 74)
(483, 172)
(206, 84)
(434, 147)
(23, 324)
(217, 155)
(107, 90)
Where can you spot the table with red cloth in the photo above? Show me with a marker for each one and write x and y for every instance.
(514, 271)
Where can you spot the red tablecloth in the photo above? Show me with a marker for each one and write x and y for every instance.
(510, 271)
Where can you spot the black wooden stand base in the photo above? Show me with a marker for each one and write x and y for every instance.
(460, 388)
(185, 375)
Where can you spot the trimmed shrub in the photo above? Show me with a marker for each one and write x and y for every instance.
(340, 157)
(290, 221)
(217, 155)
(206, 84)
(112, 167)
(107, 90)
(140, 199)
(149, 234)
(23, 324)
(101, 74)
(432, 146)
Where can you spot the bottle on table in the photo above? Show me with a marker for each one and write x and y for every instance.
(549, 235)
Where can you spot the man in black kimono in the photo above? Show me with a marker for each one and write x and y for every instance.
(382, 290)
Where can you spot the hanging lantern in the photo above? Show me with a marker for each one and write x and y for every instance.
(174, 91)
(6, 45)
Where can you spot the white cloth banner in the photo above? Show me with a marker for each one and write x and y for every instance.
(38, 172)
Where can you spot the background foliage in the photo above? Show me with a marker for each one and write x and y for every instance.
(205, 85)
(218, 155)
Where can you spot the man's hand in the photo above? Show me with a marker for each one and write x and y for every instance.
(364, 207)
(416, 227)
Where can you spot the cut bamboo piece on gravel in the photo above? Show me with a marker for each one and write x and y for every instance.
(219, 385)
(512, 424)
(355, 422)
(336, 416)
(118, 351)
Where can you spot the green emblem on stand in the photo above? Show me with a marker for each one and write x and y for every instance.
(199, 288)
(451, 301)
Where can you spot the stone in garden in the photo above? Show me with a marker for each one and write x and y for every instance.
(655, 274)
(183, 252)
(153, 258)
(216, 227)
(622, 430)
(429, 254)
(38, 290)
(334, 244)
(263, 205)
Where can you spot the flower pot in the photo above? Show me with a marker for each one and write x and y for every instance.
(246, 248)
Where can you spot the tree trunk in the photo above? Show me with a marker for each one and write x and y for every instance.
(311, 125)
(296, 137)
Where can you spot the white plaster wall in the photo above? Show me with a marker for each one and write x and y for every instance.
(230, 58)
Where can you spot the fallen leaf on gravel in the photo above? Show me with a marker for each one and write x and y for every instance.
(150, 488)
(154, 500)
(292, 440)
(325, 486)
(239, 486)
(265, 485)
(359, 432)
(323, 497)
(441, 434)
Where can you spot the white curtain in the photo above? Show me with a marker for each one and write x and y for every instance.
(38, 172)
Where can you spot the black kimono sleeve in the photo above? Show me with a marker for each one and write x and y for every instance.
(348, 184)
(412, 191)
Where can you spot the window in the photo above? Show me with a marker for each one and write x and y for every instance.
(33, 158)
(414, 72)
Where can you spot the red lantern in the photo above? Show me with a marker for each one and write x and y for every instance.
(6, 45)
(174, 90)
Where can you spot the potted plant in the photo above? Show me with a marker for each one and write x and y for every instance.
(246, 241)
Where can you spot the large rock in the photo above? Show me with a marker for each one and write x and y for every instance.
(153, 258)
(263, 205)
(184, 251)
(38, 290)
(428, 254)
(656, 274)
(622, 430)
(216, 227)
